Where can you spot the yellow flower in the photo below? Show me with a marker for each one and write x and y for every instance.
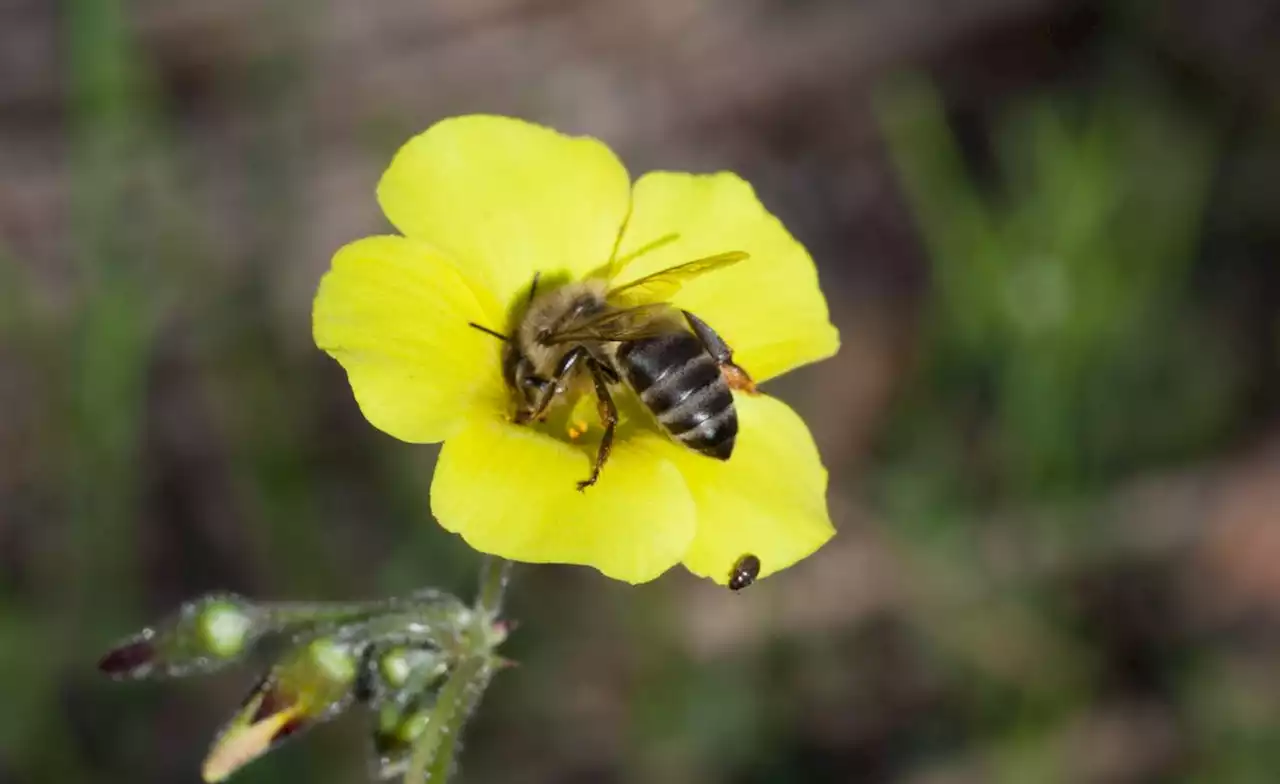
(484, 203)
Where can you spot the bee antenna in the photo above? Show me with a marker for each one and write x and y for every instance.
(533, 287)
(488, 331)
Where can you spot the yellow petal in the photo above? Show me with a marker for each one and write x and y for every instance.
(506, 198)
(769, 307)
(512, 491)
(395, 314)
(243, 743)
(768, 499)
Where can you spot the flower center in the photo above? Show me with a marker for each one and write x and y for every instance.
(576, 419)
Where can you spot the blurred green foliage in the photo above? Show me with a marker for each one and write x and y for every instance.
(1066, 349)
(1059, 336)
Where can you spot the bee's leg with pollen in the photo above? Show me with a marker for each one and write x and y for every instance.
(608, 417)
(734, 376)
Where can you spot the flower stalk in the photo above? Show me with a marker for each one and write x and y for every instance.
(495, 573)
(434, 753)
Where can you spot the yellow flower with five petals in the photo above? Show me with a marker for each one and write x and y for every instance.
(485, 203)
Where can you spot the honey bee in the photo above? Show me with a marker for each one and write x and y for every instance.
(590, 335)
(745, 571)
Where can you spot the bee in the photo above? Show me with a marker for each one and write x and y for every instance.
(744, 572)
(589, 335)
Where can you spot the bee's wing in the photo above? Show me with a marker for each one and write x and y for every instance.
(662, 285)
(633, 323)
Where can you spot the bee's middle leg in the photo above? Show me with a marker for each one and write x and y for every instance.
(608, 417)
(734, 375)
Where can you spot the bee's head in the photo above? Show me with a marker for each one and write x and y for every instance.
(526, 384)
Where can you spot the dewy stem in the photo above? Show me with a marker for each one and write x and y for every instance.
(494, 574)
(434, 751)
(432, 761)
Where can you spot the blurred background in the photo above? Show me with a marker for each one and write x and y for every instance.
(1047, 230)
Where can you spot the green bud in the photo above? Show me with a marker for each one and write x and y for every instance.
(225, 627)
(412, 669)
(334, 661)
(311, 684)
(394, 667)
(204, 635)
(394, 737)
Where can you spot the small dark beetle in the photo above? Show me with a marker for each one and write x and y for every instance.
(744, 572)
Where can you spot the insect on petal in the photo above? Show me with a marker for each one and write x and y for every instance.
(768, 500)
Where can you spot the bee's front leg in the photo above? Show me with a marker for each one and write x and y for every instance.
(737, 378)
(608, 417)
(558, 383)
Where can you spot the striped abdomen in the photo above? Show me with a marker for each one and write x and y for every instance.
(682, 385)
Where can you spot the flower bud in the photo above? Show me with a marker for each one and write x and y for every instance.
(393, 738)
(395, 674)
(204, 635)
(312, 684)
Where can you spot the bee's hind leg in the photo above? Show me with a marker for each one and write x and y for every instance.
(608, 417)
(735, 376)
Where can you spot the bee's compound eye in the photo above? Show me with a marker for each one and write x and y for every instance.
(535, 382)
(744, 572)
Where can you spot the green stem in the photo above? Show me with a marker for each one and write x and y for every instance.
(433, 753)
(494, 575)
(428, 605)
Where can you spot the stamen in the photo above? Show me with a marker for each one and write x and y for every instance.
(577, 429)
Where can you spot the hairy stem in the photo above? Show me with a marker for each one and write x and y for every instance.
(432, 761)
(494, 574)
(434, 751)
